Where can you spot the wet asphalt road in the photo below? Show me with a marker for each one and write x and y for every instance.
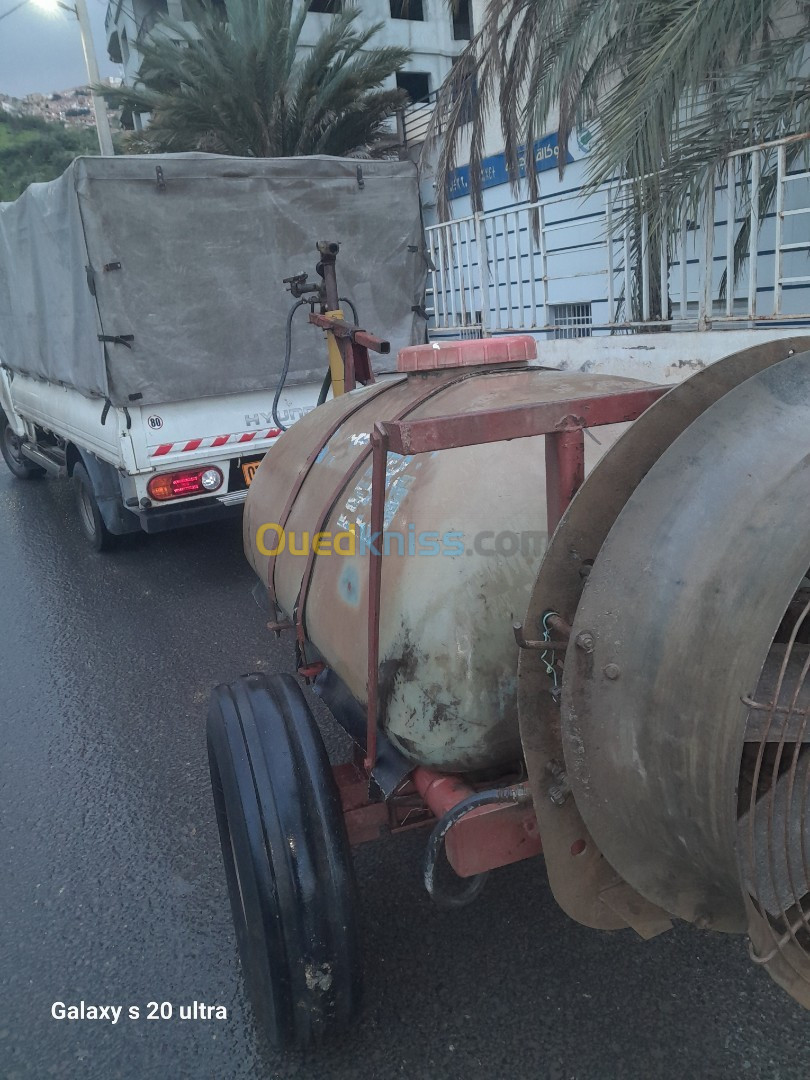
(111, 889)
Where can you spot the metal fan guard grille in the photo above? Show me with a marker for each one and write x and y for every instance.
(774, 798)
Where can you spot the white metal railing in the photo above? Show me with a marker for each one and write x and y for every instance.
(416, 118)
(516, 268)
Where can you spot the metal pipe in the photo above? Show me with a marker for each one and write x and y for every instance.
(328, 252)
(461, 286)
(451, 272)
(731, 213)
(645, 267)
(346, 331)
(105, 141)
(482, 247)
(628, 283)
(684, 282)
(507, 269)
(496, 274)
(519, 258)
(663, 312)
(565, 472)
(541, 227)
(609, 241)
(705, 313)
(753, 235)
(441, 793)
(444, 285)
(379, 462)
(767, 145)
(781, 169)
(470, 279)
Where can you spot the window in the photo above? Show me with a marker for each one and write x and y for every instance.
(407, 9)
(328, 7)
(417, 84)
(462, 27)
(469, 92)
(114, 48)
(571, 320)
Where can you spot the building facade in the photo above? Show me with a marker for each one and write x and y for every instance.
(575, 263)
(428, 28)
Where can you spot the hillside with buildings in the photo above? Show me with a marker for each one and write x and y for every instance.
(72, 108)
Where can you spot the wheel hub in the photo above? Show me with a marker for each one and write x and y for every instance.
(86, 510)
(13, 445)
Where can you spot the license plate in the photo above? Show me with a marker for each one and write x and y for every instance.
(249, 470)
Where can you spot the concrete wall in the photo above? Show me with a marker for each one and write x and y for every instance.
(660, 358)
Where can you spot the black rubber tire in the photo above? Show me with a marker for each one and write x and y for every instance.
(287, 860)
(98, 535)
(10, 449)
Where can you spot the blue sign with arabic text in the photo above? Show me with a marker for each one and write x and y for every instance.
(494, 171)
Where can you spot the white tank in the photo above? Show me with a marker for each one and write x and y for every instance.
(472, 523)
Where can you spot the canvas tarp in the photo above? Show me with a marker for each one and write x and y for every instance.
(185, 266)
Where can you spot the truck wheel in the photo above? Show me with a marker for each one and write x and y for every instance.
(90, 519)
(10, 444)
(287, 859)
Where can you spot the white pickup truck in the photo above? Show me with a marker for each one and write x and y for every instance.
(150, 469)
(143, 320)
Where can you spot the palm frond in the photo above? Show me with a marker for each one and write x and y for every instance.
(669, 86)
(239, 84)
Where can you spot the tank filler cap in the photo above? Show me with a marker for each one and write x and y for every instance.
(514, 349)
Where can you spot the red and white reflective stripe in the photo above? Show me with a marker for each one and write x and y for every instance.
(217, 440)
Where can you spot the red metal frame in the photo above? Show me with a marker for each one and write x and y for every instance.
(485, 838)
(354, 346)
(366, 820)
(489, 836)
(496, 835)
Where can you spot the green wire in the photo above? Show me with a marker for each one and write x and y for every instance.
(551, 670)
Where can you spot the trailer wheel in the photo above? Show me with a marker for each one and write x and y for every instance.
(90, 519)
(10, 444)
(287, 859)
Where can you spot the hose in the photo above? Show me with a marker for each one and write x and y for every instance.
(285, 369)
(346, 300)
(327, 382)
(326, 386)
(435, 844)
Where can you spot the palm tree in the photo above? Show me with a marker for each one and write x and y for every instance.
(234, 82)
(670, 87)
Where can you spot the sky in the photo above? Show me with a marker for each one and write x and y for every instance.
(42, 52)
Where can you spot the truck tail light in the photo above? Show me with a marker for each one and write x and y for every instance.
(178, 485)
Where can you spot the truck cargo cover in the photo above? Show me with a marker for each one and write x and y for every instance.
(178, 259)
